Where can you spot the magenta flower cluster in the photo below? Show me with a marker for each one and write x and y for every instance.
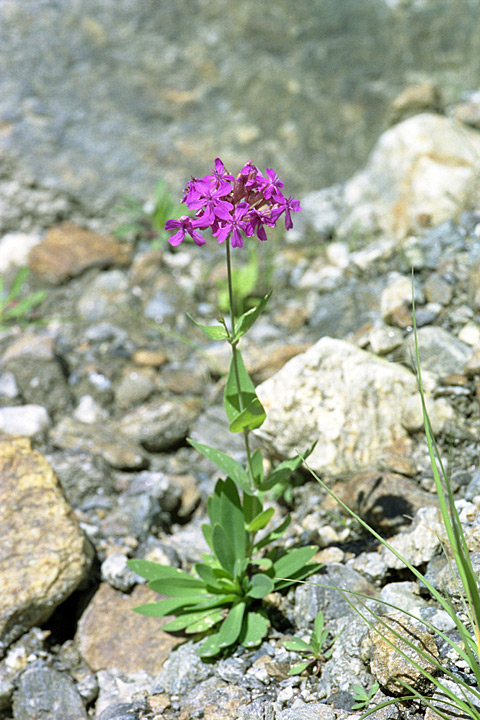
(236, 207)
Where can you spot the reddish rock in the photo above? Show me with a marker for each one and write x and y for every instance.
(110, 635)
(68, 250)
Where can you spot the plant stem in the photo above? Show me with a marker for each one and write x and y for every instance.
(235, 361)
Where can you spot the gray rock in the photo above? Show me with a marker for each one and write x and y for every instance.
(307, 711)
(103, 296)
(440, 352)
(119, 691)
(344, 311)
(321, 593)
(112, 446)
(46, 694)
(347, 666)
(160, 424)
(419, 543)
(116, 572)
(124, 711)
(82, 475)
(182, 671)
(8, 386)
(134, 387)
(32, 421)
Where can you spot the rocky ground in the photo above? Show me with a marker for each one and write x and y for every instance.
(99, 391)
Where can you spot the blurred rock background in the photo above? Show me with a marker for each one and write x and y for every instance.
(101, 98)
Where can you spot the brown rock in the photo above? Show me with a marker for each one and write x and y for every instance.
(389, 666)
(44, 556)
(110, 635)
(68, 250)
(149, 358)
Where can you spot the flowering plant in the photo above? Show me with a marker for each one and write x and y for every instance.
(224, 598)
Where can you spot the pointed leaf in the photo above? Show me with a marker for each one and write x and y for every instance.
(246, 321)
(146, 568)
(284, 469)
(226, 463)
(293, 560)
(207, 534)
(231, 626)
(251, 418)
(214, 332)
(210, 647)
(257, 467)
(254, 628)
(233, 393)
(260, 585)
(274, 534)
(261, 520)
(319, 624)
(178, 587)
(297, 645)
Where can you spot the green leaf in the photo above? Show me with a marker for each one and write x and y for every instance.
(206, 572)
(223, 548)
(210, 647)
(319, 624)
(254, 628)
(257, 467)
(226, 510)
(252, 506)
(207, 534)
(261, 520)
(17, 284)
(299, 667)
(246, 321)
(232, 392)
(297, 645)
(148, 569)
(260, 585)
(231, 626)
(200, 626)
(274, 534)
(294, 566)
(182, 586)
(158, 609)
(226, 463)
(284, 469)
(214, 332)
(251, 418)
(195, 621)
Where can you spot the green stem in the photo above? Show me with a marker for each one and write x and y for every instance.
(235, 361)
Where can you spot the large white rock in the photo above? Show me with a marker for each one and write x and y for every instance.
(349, 401)
(422, 171)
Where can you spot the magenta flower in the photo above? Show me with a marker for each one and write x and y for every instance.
(205, 195)
(234, 226)
(219, 174)
(272, 185)
(286, 206)
(233, 206)
(185, 225)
